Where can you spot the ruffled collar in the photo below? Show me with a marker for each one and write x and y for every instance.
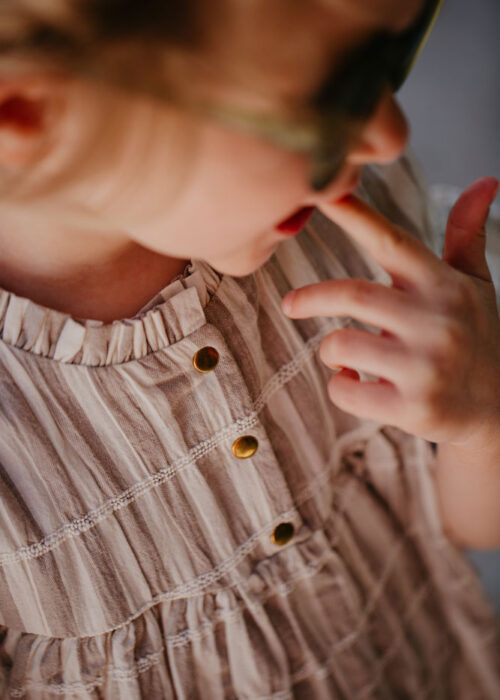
(176, 311)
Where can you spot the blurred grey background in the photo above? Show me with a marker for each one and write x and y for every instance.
(452, 100)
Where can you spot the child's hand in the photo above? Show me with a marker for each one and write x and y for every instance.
(438, 356)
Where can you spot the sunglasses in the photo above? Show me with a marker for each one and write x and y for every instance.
(331, 123)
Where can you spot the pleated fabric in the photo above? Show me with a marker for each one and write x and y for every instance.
(139, 556)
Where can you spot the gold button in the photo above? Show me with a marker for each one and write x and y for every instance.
(206, 359)
(283, 533)
(245, 446)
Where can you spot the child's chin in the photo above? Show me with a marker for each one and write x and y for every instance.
(243, 266)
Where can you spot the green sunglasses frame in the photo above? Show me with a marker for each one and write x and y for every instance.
(328, 127)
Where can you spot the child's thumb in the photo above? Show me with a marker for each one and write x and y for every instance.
(465, 242)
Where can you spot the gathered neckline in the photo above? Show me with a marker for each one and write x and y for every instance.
(171, 314)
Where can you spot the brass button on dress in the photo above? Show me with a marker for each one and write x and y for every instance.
(283, 533)
(245, 446)
(206, 359)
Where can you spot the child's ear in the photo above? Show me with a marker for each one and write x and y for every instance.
(26, 116)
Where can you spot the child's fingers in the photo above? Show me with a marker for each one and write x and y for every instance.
(465, 242)
(378, 401)
(375, 304)
(471, 209)
(400, 253)
(379, 356)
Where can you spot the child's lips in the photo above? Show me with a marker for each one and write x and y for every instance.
(295, 222)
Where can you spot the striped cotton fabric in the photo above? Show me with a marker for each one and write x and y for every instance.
(137, 550)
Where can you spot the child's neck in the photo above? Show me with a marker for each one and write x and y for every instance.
(88, 275)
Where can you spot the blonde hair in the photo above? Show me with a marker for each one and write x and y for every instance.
(129, 42)
(170, 47)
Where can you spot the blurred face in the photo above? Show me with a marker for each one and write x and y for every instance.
(187, 187)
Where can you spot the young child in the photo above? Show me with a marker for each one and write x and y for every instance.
(193, 502)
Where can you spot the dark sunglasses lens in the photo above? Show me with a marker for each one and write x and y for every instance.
(353, 92)
(401, 72)
(413, 43)
(325, 171)
(353, 89)
(346, 101)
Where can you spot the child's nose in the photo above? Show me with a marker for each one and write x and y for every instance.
(384, 136)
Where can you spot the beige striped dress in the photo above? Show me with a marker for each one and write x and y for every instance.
(185, 514)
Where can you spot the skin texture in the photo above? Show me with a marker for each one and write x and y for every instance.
(442, 384)
(106, 196)
(109, 194)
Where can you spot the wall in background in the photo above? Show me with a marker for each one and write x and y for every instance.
(452, 99)
(452, 96)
